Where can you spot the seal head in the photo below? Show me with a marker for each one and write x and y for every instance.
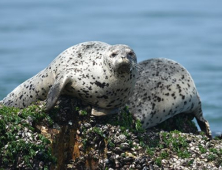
(120, 59)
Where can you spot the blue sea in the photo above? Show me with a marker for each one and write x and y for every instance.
(33, 33)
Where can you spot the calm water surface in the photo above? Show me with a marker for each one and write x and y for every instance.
(33, 33)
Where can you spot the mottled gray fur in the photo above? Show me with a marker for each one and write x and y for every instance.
(99, 74)
(163, 89)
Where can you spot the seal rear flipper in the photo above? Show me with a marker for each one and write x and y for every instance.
(203, 124)
(56, 90)
(102, 112)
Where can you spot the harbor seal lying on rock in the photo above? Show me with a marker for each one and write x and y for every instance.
(163, 89)
(99, 74)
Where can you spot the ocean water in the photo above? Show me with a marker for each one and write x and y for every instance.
(33, 33)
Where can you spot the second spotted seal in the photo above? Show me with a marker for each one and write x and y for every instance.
(163, 89)
(99, 74)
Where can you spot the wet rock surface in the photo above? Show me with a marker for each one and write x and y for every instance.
(81, 141)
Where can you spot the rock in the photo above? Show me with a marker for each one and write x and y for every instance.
(93, 143)
(120, 139)
(125, 146)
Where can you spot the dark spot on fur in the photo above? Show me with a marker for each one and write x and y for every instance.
(183, 97)
(158, 84)
(153, 113)
(20, 97)
(192, 106)
(158, 99)
(153, 106)
(85, 91)
(182, 77)
(103, 96)
(126, 89)
(101, 85)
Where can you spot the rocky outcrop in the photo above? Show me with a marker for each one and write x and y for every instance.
(81, 141)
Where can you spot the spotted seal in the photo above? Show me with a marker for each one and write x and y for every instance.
(163, 89)
(99, 74)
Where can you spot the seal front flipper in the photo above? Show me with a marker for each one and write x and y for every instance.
(102, 112)
(56, 90)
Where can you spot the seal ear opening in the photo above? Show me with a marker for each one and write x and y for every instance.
(56, 90)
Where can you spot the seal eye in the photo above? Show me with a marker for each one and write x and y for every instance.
(113, 55)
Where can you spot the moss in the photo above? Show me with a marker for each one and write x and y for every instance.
(175, 142)
(15, 147)
(202, 149)
(190, 162)
(216, 156)
(98, 131)
(150, 151)
(211, 157)
(213, 150)
(84, 142)
(81, 112)
(110, 143)
(124, 120)
(164, 155)
(169, 143)
(158, 161)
